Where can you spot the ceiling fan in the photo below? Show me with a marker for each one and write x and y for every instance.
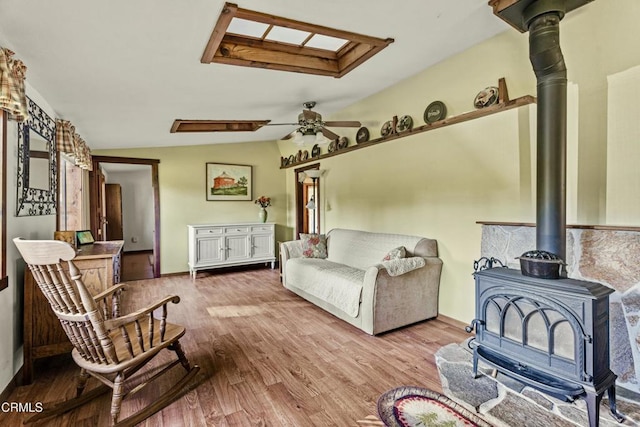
(311, 127)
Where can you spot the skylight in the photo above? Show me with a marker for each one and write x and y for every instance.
(254, 39)
(244, 27)
(287, 35)
(320, 41)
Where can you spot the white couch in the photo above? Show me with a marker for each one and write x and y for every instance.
(354, 284)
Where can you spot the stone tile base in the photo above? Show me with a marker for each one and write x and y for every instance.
(503, 401)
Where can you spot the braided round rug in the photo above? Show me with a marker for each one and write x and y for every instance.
(421, 407)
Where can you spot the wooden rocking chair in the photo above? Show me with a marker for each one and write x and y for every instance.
(106, 345)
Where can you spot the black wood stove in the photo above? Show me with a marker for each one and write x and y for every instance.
(549, 334)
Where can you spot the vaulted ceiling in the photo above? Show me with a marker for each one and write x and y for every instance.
(123, 70)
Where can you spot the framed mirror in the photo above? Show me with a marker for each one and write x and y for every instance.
(37, 168)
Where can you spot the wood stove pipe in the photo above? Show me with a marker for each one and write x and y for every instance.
(542, 18)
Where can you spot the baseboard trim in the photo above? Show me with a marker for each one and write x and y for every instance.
(139, 251)
(179, 273)
(451, 321)
(11, 387)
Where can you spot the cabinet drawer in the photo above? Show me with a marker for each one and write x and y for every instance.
(205, 231)
(236, 230)
(262, 228)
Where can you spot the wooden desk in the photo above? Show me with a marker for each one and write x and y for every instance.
(99, 264)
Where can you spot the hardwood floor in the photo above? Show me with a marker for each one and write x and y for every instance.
(267, 358)
(137, 265)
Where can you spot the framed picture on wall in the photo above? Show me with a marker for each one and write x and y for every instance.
(228, 182)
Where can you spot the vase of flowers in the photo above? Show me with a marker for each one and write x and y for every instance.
(264, 203)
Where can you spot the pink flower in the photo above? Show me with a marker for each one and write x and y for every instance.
(263, 201)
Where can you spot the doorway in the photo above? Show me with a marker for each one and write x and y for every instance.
(308, 201)
(108, 215)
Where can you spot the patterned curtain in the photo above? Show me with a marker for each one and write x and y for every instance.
(12, 95)
(82, 153)
(71, 144)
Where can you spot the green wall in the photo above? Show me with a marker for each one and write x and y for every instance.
(439, 183)
(182, 176)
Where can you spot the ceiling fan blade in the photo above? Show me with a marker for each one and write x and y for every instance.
(326, 132)
(282, 124)
(343, 124)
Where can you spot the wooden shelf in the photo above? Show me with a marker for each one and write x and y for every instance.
(472, 115)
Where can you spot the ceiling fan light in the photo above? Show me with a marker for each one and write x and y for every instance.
(309, 138)
(321, 139)
(298, 138)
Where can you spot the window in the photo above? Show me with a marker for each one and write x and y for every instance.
(71, 199)
(253, 39)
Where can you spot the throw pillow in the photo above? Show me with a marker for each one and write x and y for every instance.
(395, 253)
(314, 245)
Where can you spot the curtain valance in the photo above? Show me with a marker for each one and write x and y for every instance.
(12, 94)
(71, 143)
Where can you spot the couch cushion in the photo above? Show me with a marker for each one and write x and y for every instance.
(335, 283)
(362, 249)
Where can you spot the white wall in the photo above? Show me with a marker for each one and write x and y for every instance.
(623, 149)
(137, 207)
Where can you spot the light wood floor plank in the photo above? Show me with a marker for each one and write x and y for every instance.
(267, 358)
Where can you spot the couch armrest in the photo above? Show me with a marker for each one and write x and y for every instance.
(289, 250)
(389, 302)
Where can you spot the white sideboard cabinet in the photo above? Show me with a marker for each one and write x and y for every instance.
(225, 245)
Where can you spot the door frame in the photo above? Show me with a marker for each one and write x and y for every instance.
(94, 201)
(300, 199)
(4, 279)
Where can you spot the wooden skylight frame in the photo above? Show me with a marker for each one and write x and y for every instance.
(260, 52)
(181, 125)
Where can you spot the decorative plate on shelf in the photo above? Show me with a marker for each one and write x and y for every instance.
(342, 142)
(315, 151)
(405, 123)
(298, 156)
(305, 155)
(387, 128)
(283, 161)
(291, 159)
(362, 135)
(333, 146)
(486, 97)
(435, 111)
